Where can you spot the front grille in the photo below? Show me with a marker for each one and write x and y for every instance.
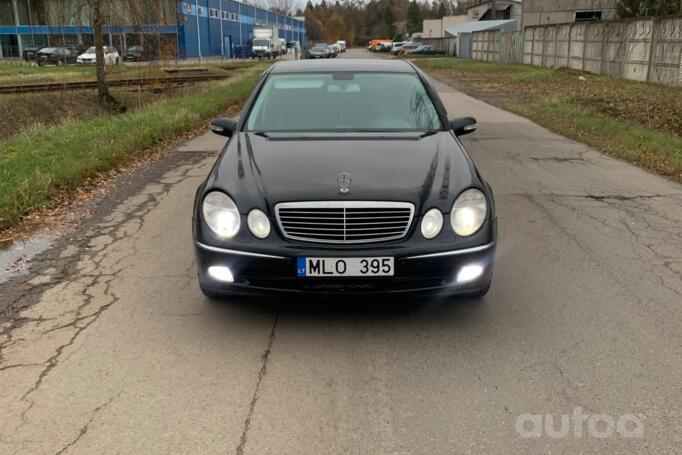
(344, 221)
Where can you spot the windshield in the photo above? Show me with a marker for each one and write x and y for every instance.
(343, 102)
(261, 42)
(91, 50)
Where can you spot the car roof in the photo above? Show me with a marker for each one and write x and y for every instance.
(369, 65)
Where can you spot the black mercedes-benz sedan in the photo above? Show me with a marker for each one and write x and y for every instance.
(344, 177)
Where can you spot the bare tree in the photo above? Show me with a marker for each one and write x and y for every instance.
(97, 22)
(281, 6)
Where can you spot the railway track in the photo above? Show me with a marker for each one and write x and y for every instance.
(135, 82)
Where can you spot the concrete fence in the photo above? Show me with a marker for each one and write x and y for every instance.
(647, 50)
(497, 47)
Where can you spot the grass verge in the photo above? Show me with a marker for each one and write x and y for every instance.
(634, 121)
(39, 166)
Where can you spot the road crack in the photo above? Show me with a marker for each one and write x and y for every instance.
(265, 357)
(84, 429)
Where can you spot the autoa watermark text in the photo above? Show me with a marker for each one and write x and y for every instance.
(579, 424)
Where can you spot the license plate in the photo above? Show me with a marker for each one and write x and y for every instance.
(323, 267)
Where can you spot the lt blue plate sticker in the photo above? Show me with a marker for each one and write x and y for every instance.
(300, 266)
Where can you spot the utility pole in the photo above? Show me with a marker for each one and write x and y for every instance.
(15, 8)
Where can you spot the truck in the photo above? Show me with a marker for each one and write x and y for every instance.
(266, 42)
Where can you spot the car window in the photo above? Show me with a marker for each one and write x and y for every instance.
(343, 102)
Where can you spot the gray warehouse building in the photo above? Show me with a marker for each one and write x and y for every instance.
(545, 12)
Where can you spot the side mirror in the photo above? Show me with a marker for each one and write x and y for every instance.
(223, 126)
(463, 125)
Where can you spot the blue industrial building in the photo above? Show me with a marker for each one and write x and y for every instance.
(184, 29)
(211, 27)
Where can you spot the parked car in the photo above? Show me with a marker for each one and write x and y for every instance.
(425, 50)
(384, 46)
(342, 45)
(346, 188)
(57, 56)
(111, 56)
(319, 51)
(405, 48)
(396, 47)
(336, 50)
(140, 54)
(30, 53)
(294, 45)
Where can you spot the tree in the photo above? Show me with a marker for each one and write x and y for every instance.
(102, 84)
(335, 28)
(638, 8)
(389, 19)
(284, 7)
(414, 19)
(442, 9)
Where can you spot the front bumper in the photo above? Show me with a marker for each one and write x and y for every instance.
(263, 274)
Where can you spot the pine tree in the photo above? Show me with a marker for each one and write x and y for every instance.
(638, 8)
(414, 19)
(389, 19)
(442, 9)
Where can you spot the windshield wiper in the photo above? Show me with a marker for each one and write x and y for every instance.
(262, 134)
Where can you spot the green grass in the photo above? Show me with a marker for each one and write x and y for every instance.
(635, 121)
(41, 165)
(648, 148)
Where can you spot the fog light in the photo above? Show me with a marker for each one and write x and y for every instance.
(469, 273)
(221, 273)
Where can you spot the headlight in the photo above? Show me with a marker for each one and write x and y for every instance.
(221, 214)
(432, 223)
(258, 222)
(468, 213)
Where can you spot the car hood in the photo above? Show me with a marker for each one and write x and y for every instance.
(86, 55)
(261, 172)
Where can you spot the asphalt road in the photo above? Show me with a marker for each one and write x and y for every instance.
(116, 350)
